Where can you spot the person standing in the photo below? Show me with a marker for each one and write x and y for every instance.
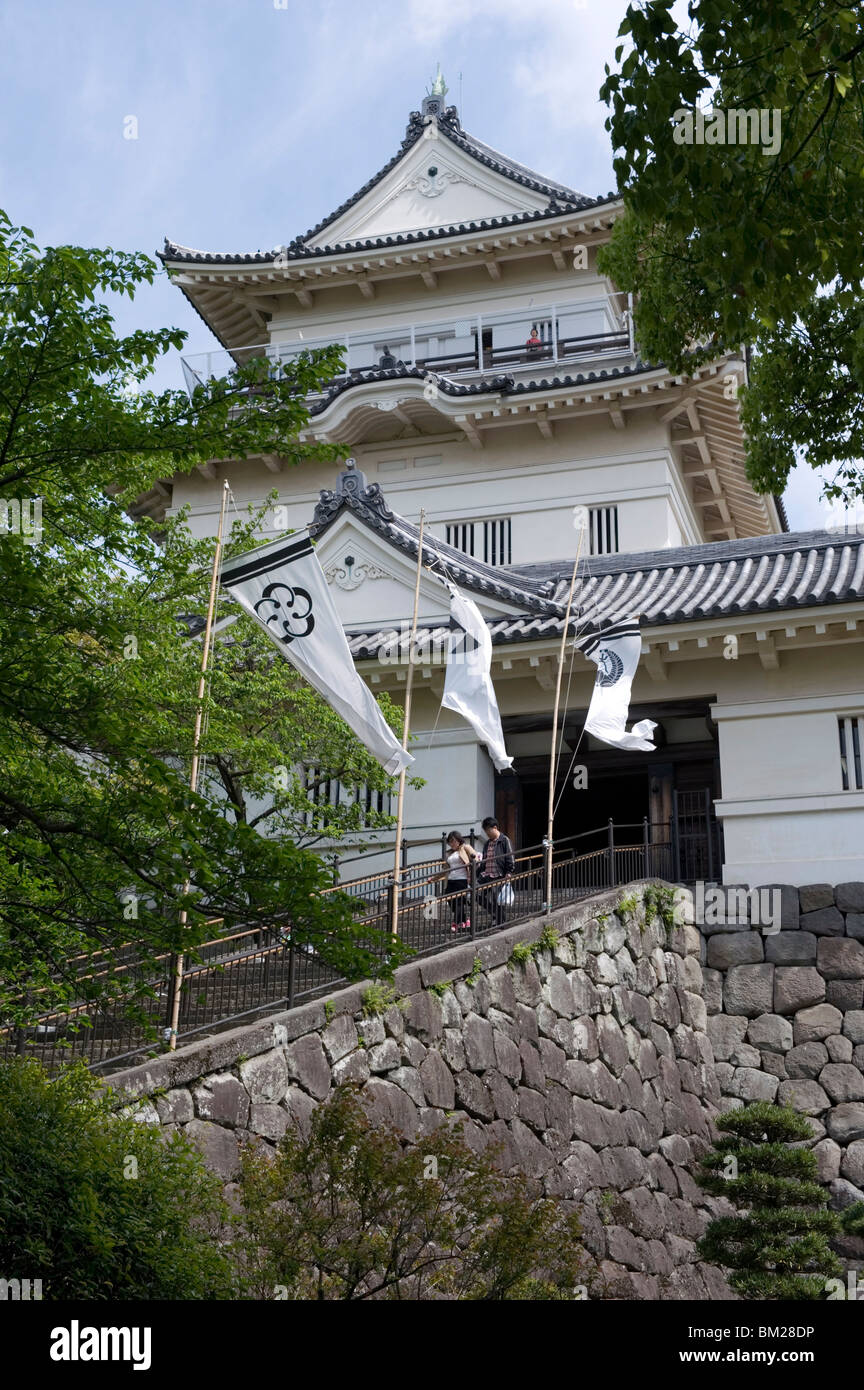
(534, 343)
(459, 857)
(497, 866)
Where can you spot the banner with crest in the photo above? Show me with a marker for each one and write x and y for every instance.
(615, 652)
(282, 586)
(468, 683)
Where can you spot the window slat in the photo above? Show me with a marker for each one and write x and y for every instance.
(497, 538)
(851, 731)
(603, 530)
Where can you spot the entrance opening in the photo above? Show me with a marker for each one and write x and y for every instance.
(678, 782)
(619, 796)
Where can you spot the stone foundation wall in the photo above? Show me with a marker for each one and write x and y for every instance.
(786, 1020)
(597, 1065)
(590, 1063)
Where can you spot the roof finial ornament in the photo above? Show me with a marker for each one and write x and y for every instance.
(435, 100)
(439, 86)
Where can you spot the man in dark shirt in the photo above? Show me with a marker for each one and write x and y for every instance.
(495, 870)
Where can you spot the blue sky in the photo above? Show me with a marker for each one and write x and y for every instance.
(255, 118)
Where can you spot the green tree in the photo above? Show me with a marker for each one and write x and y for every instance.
(350, 1212)
(728, 244)
(279, 777)
(97, 690)
(98, 1206)
(778, 1248)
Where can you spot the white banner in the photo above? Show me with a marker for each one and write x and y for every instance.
(615, 653)
(468, 684)
(282, 586)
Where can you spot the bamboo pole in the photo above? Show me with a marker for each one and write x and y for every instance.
(553, 758)
(196, 742)
(409, 681)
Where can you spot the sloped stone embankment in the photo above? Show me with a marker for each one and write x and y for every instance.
(589, 1061)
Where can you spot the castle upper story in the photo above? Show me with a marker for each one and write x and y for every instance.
(490, 372)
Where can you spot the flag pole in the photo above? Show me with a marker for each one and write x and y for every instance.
(409, 681)
(553, 753)
(196, 743)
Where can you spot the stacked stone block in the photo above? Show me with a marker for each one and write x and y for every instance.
(588, 1064)
(786, 1020)
(595, 1066)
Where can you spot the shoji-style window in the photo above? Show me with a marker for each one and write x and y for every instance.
(852, 752)
(603, 525)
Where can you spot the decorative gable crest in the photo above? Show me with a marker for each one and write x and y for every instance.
(351, 488)
(349, 572)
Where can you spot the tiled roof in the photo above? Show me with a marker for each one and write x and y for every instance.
(501, 163)
(367, 503)
(500, 384)
(761, 574)
(561, 200)
(173, 251)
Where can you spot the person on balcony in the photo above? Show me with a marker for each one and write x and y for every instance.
(534, 343)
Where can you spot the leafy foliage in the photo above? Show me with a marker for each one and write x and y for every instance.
(100, 1207)
(659, 901)
(100, 834)
(526, 950)
(778, 1248)
(730, 244)
(549, 938)
(521, 953)
(476, 969)
(378, 997)
(349, 1212)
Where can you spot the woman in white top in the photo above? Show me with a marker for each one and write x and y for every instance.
(458, 859)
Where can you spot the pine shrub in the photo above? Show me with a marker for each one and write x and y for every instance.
(778, 1246)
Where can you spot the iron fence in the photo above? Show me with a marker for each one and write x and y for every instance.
(245, 973)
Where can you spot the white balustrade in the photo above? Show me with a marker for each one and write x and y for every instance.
(467, 344)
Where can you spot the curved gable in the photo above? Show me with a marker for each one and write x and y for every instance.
(436, 183)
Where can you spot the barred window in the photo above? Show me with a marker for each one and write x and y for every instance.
(496, 541)
(603, 525)
(460, 534)
(494, 534)
(852, 752)
(329, 791)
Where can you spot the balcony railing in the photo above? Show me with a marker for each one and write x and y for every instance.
(519, 341)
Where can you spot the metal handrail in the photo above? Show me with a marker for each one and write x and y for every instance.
(349, 887)
(236, 982)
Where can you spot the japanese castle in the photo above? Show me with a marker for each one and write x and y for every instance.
(492, 378)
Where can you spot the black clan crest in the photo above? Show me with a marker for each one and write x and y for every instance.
(609, 667)
(286, 611)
